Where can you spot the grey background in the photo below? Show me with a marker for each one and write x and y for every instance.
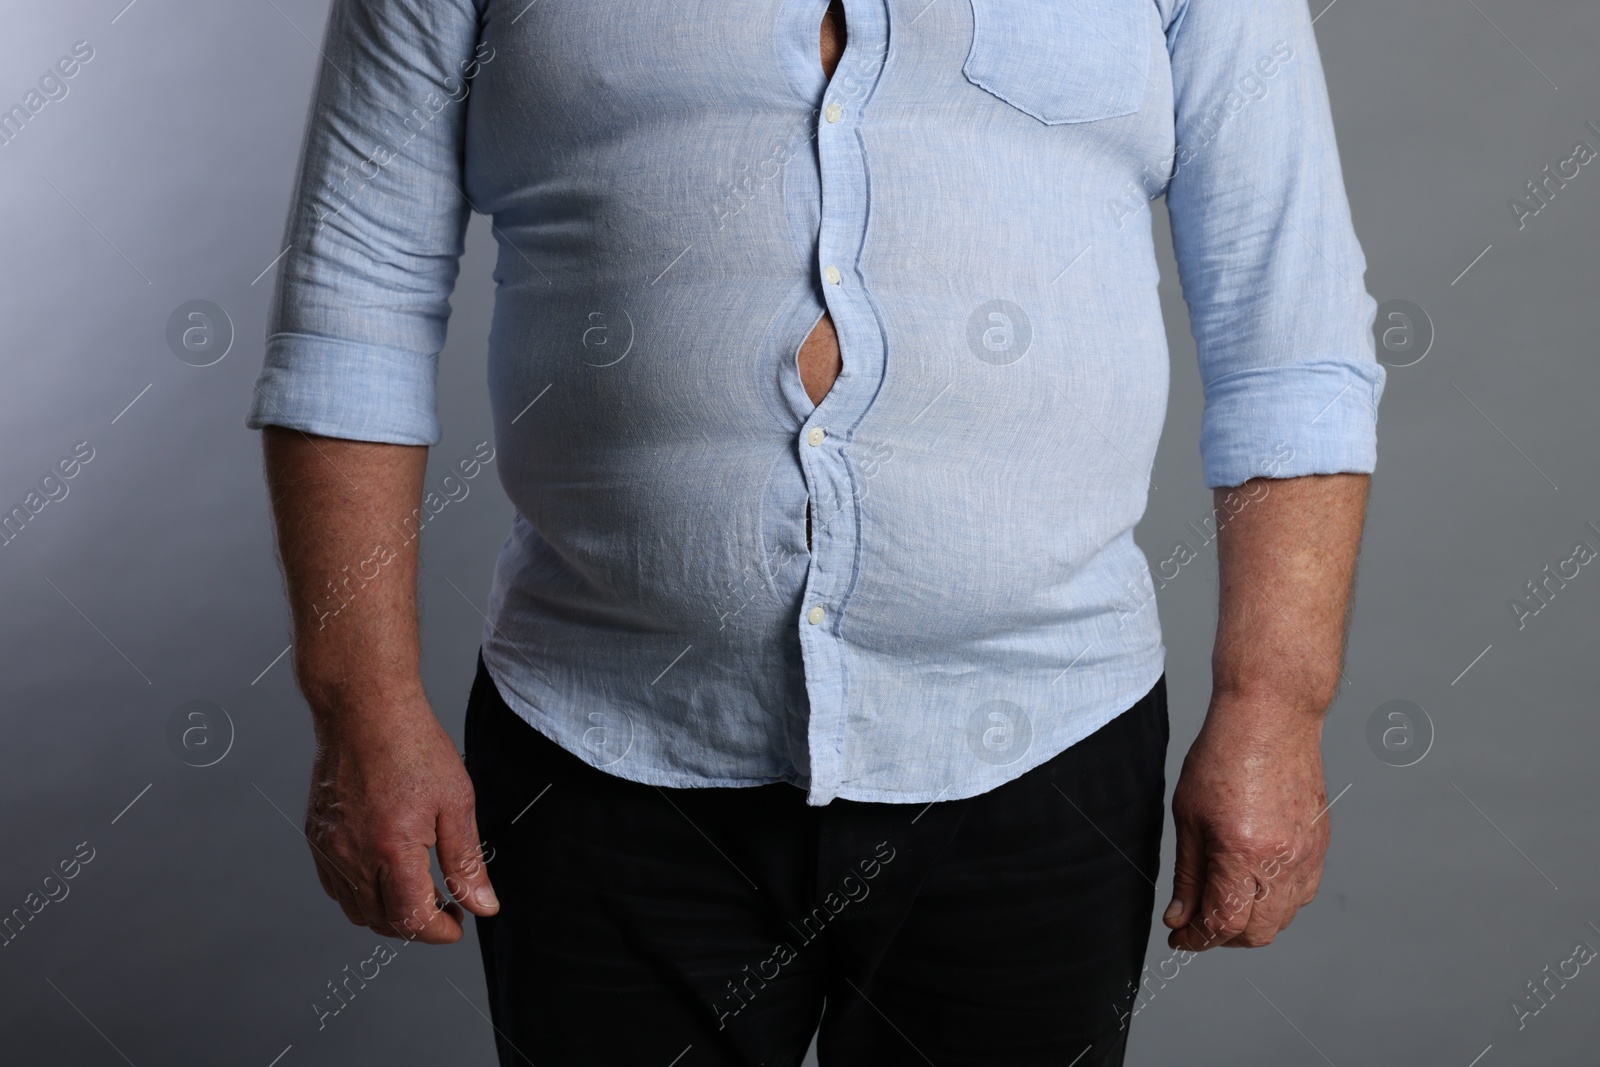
(199, 934)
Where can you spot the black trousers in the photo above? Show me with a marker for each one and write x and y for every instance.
(641, 925)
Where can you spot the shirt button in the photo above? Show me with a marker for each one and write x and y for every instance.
(816, 435)
(832, 274)
(815, 615)
(833, 112)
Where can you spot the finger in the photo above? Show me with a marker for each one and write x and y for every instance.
(429, 923)
(343, 894)
(336, 885)
(409, 902)
(1225, 903)
(1294, 883)
(365, 898)
(1270, 912)
(1188, 877)
(1310, 882)
(1295, 898)
(461, 859)
(442, 904)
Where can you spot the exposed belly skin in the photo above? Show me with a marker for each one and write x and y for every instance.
(819, 357)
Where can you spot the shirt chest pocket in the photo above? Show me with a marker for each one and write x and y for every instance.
(1062, 60)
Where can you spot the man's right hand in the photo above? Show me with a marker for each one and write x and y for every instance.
(384, 790)
(387, 784)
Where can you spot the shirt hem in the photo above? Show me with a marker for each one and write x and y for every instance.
(1036, 758)
(1087, 727)
(535, 718)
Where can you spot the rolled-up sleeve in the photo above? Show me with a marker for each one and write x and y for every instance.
(1267, 256)
(376, 227)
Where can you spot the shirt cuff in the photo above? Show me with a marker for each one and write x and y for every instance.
(337, 388)
(1291, 420)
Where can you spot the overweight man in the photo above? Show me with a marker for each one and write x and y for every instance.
(821, 681)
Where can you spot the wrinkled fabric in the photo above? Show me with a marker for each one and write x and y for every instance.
(678, 192)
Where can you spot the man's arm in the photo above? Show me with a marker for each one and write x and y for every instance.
(1250, 804)
(387, 783)
(1272, 272)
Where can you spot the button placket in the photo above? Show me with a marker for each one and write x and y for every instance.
(834, 532)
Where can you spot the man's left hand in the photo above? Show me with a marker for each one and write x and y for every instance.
(1252, 826)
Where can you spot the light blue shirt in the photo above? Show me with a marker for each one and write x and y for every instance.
(677, 193)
